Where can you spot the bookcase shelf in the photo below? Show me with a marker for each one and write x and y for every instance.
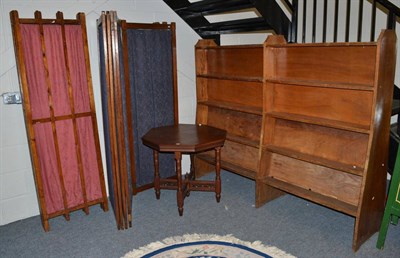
(351, 169)
(327, 201)
(232, 106)
(326, 84)
(321, 121)
(230, 78)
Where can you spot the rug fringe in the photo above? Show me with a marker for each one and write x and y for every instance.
(257, 245)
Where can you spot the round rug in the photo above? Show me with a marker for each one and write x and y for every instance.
(206, 246)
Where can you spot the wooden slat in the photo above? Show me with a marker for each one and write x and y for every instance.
(174, 71)
(231, 77)
(321, 121)
(323, 84)
(232, 106)
(63, 117)
(60, 19)
(75, 208)
(123, 180)
(81, 18)
(129, 121)
(149, 26)
(23, 81)
(38, 18)
(49, 21)
(111, 119)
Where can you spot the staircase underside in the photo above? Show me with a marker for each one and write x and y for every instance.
(270, 16)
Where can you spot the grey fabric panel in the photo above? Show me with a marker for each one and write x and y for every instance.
(150, 66)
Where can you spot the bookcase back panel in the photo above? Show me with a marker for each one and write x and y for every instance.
(328, 143)
(236, 123)
(240, 155)
(236, 62)
(344, 64)
(228, 91)
(343, 105)
(342, 186)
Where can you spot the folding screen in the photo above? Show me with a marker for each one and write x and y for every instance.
(54, 74)
(138, 75)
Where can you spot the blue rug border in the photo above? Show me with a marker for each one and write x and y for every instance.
(149, 255)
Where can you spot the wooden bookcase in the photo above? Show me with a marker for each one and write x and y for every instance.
(230, 97)
(321, 129)
(327, 116)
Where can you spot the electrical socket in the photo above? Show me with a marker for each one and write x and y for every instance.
(12, 98)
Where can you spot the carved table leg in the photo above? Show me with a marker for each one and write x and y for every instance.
(192, 171)
(217, 173)
(156, 174)
(179, 193)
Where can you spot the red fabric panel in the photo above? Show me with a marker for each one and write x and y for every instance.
(35, 72)
(48, 167)
(88, 150)
(77, 66)
(69, 162)
(57, 71)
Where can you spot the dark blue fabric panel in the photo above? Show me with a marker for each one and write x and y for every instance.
(106, 124)
(150, 66)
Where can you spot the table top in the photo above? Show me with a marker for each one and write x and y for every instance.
(186, 138)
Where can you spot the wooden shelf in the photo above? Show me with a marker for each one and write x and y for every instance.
(228, 166)
(231, 78)
(316, 160)
(242, 140)
(321, 121)
(323, 84)
(229, 46)
(232, 106)
(312, 196)
(324, 45)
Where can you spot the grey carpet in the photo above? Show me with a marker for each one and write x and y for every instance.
(294, 225)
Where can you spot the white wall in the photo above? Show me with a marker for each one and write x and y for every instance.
(17, 189)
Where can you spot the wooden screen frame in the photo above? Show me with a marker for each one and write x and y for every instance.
(29, 122)
(122, 196)
(114, 30)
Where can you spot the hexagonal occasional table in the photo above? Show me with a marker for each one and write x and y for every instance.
(185, 139)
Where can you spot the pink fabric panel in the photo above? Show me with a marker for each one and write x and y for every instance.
(77, 66)
(39, 99)
(57, 69)
(69, 162)
(48, 167)
(35, 71)
(89, 158)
